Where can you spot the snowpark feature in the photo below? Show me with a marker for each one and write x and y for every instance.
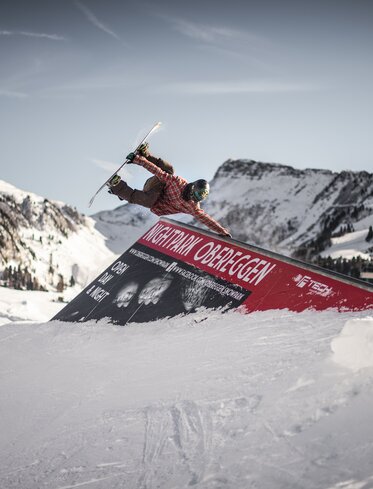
(176, 268)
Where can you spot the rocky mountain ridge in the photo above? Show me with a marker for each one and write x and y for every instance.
(292, 211)
(45, 244)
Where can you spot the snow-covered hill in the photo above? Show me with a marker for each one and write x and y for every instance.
(284, 209)
(268, 400)
(48, 238)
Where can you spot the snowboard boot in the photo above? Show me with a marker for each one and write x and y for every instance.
(121, 189)
(114, 181)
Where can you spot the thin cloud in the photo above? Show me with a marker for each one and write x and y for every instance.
(208, 33)
(216, 35)
(227, 41)
(110, 168)
(95, 21)
(51, 37)
(105, 165)
(221, 88)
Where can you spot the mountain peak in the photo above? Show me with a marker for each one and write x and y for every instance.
(253, 168)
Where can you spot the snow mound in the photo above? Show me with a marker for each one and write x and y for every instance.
(353, 347)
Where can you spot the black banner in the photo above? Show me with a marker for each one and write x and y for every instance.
(144, 285)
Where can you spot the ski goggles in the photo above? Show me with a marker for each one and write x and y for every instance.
(200, 194)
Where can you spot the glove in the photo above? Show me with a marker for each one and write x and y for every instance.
(143, 150)
(227, 235)
(130, 157)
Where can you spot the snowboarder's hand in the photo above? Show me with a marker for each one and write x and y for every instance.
(227, 235)
(143, 149)
(130, 157)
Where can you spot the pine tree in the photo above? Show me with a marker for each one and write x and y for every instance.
(61, 284)
(369, 235)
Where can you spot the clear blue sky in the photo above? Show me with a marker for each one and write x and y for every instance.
(280, 81)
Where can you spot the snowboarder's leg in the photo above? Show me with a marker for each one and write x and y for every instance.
(143, 150)
(162, 164)
(134, 196)
(153, 184)
(152, 189)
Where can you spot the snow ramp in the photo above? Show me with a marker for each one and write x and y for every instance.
(176, 269)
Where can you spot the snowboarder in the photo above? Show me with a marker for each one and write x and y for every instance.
(165, 193)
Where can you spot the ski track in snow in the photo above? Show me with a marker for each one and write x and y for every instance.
(217, 401)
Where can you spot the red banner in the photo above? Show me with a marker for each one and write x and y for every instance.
(274, 281)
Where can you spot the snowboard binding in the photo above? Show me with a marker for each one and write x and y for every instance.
(114, 181)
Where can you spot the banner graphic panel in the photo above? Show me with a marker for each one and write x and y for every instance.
(144, 285)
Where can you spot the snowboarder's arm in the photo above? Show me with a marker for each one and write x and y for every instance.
(162, 175)
(208, 221)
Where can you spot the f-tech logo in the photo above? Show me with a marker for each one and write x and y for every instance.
(314, 287)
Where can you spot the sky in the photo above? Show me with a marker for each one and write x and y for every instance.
(82, 81)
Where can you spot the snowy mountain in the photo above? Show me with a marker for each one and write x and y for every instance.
(44, 243)
(285, 209)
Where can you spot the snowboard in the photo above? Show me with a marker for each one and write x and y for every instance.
(154, 128)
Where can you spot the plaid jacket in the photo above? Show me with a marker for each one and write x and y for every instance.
(171, 200)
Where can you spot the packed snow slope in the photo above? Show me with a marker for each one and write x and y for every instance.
(30, 305)
(50, 238)
(268, 400)
(353, 243)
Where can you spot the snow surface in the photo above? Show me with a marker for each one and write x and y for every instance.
(20, 305)
(266, 400)
(351, 244)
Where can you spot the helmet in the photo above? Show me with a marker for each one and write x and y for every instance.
(200, 190)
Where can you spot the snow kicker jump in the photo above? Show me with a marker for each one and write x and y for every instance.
(176, 269)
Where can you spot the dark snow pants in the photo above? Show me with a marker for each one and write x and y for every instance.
(152, 189)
